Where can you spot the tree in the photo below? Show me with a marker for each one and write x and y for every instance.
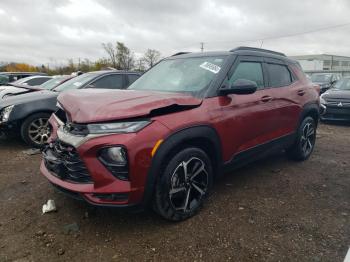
(101, 64)
(71, 65)
(125, 58)
(120, 55)
(140, 65)
(20, 67)
(111, 51)
(151, 57)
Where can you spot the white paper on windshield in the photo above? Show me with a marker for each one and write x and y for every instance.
(210, 67)
(77, 84)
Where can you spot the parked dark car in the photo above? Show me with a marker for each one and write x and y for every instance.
(162, 142)
(28, 114)
(8, 77)
(35, 83)
(335, 103)
(325, 80)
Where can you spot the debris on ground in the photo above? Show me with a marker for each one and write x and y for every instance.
(71, 228)
(32, 151)
(60, 252)
(50, 206)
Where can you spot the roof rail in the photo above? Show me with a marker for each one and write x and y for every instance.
(257, 50)
(181, 53)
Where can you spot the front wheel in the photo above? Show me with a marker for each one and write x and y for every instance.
(36, 130)
(305, 141)
(183, 185)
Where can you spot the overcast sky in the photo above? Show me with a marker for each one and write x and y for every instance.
(51, 31)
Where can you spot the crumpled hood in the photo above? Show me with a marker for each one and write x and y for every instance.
(103, 105)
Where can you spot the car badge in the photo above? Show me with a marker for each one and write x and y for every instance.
(340, 104)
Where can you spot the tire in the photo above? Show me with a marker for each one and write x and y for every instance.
(177, 198)
(36, 124)
(305, 140)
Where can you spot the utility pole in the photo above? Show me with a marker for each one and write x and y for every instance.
(202, 46)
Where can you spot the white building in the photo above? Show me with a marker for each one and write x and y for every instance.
(323, 62)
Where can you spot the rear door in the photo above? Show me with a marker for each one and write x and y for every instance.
(286, 96)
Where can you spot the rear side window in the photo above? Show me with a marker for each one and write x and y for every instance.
(250, 71)
(109, 82)
(37, 81)
(132, 78)
(279, 75)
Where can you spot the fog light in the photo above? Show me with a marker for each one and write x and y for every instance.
(116, 161)
(114, 156)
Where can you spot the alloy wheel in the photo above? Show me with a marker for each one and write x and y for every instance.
(189, 184)
(39, 130)
(308, 138)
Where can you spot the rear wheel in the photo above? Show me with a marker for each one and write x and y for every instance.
(305, 142)
(183, 185)
(36, 129)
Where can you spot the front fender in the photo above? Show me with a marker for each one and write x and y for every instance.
(176, 140)
(21, 111)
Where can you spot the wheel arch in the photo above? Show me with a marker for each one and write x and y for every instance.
(310, 109)
(45, 111)
(204, 137)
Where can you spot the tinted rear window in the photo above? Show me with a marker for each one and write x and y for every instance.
(279, 75)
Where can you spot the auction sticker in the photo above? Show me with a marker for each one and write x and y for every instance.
(210, 67)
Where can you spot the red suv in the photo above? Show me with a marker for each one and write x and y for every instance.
(163, 141)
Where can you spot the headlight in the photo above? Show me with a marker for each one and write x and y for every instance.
(322, 101)
(5, 114)
(121, 127)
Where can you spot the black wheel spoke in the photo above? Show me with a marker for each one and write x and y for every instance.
(189, 184)
(307, 139)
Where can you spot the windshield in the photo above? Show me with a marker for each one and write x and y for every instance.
(343, 84)
(53, 82)
(75, 82)
(180, 75)
(321, 78)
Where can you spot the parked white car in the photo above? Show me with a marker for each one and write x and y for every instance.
(25, 85)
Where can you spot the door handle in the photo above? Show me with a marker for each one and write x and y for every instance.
(301, 92)
(266, 98)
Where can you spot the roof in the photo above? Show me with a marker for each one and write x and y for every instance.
(243, 50)
(113, 71)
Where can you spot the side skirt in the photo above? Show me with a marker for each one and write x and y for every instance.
(260, 151)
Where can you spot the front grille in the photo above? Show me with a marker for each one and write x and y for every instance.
(338, 110)
(336, 103)
(64, 162)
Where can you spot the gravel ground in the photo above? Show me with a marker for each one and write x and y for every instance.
(272, 210)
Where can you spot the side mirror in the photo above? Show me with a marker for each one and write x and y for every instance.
(240, 87)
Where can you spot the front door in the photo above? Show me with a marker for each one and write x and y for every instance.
(247, 120)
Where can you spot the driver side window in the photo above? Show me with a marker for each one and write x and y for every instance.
(250, 71)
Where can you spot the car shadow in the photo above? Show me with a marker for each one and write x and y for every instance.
(117, 220)
(336, 123)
